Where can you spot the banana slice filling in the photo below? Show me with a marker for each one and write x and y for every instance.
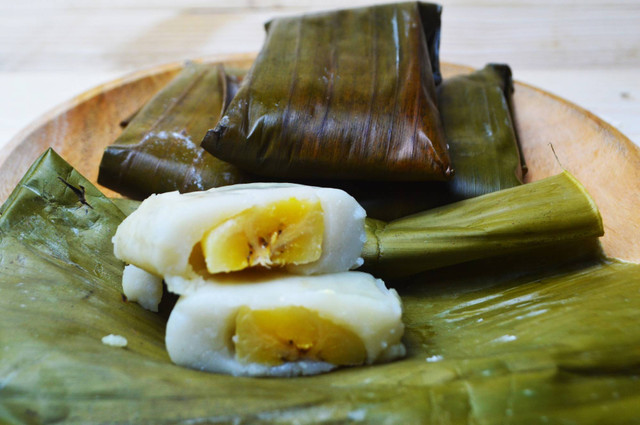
(280, 233)
(294, 333)
(278, 324)
(303, 229)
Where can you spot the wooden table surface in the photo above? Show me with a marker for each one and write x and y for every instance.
(586, 51)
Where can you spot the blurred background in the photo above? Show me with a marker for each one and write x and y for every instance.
(586, 51)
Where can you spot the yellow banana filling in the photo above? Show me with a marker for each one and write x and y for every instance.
(280, 233)
(289, 334)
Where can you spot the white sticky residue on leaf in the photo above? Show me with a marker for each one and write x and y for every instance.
(114, 340)
(165, 135)
(435, 358)
(184, 138)
(505, 338)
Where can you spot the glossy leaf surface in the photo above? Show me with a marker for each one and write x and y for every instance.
(480, 131)
(159, 150)
(543, 213)
(345, 94)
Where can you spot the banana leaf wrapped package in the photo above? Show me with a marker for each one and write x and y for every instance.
(347, 94)
(479, 132)
(556, 344)
(481, 135)
(158, 149)
(479, 127)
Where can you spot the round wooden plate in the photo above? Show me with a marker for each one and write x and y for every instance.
(603, 159)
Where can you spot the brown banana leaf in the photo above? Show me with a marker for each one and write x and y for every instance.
(158, 151)
(547, 212)
(234, 77)
(479, 127)
(552, 344)
(358, 100)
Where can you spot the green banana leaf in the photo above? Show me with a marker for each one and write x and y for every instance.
(158, 150)
(550, 344)
(480, 131)
(340, 115)
(127, 206)
(543, 213)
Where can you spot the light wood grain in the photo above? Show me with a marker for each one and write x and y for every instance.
(98, 35)
(605, 161)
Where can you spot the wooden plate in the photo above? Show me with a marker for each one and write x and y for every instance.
(604, 160)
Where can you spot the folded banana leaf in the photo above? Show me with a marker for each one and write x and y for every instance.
(556, 344)
(547, 212)
(158, 149)
(478, 124)
(234, 77)
(347, 94)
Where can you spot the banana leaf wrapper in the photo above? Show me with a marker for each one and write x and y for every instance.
(483, 145)
(556, 343)
(234, 77)
(348, 94)
(479, 127)
(547, 212)
(158, 150)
